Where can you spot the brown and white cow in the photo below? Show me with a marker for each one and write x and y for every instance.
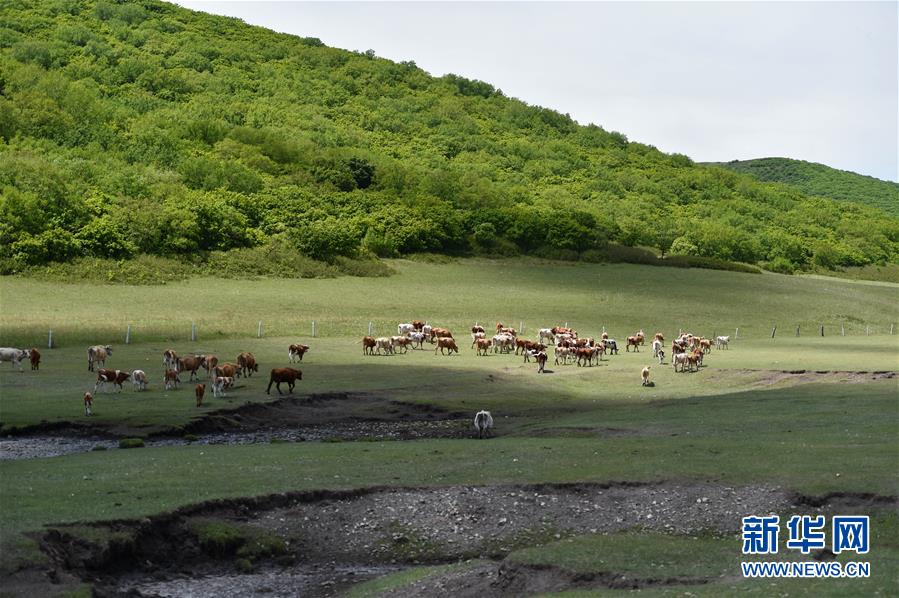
(633, 341)
(541, 358)
(117, 377)
(210, 363)
(447, 343)
(368, 345)
(477, 329)
(171, 379)
(96, 356)
(286, 375)
(139, 379)
(644, 376)
(220, 384)
(88, 403)
(170, 359)
(295, 352)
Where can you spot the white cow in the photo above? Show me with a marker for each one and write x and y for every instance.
(503, 343)
(682, 359)
(384, 343)
(546, 334)
(418, 338)
(403, 329)
(656, 347)
(139, 379)
(721, 342)
(483, 423)
(14, 356)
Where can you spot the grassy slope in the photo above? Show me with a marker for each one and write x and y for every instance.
(817, 179)
(623, 298)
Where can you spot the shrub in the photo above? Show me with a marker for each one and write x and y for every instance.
(129, 443)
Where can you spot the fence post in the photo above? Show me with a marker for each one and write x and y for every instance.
(842, 329)
(822, 329)
(193, 331)
(50, 340)
(259, 330)
(866, 330)
(313, 328)
(369, 329)
(797, 330)
(773, 331)
(128, 335)
(737, 334)
(521, 326)
(891, 328)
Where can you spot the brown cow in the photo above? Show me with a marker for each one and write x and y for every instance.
(279, 375)
(441, 333)
(117, 377)
(296, 352)
(633, 341)
(641, 337)
(658, 337)
(97, 355)
(368, 345)
(171, 379)
(88, 403)
(484, 345)
(228, 370)
(200, 390)
(418, 324)
(191, 364)
(35, 359)
(447, 343)
(704, 344)
(209, 363)
(247, 363)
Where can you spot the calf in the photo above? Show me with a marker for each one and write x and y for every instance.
(656, 347)
(171, 379)
(117, 377)
(14, 356)
(247, 363)
(35, 356)
(96, 356)
(484, 345)
(295, 352)
(645, 376)
(139, 379)
(476, 336)
(200, 390)
(287, 375)
(88, 403)
(483, 423)
(446, 343)
(170, 359)
(220, 383)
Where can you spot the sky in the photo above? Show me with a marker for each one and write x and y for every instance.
(717, 81)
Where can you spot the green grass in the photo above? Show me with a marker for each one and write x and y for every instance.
(392, 581)
(623, 298)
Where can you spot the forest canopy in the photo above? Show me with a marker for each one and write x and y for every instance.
(145, 128)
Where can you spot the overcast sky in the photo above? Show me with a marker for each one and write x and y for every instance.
(717, 81)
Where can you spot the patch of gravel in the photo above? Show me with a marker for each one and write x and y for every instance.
(38, 447)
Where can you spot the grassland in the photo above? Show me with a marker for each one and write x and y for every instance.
(740, 420)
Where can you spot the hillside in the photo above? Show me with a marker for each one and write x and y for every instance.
(145, 128)
(817, 179)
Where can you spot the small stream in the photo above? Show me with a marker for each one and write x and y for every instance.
(43, 446)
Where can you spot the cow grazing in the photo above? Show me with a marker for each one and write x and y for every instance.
(644, 375)
(171, 379)
(541, 358)
(368, 345)
(295, 352)
(200, 390)
(35, 357)
(210, 363)
(170, 359)
(484, 345)
(247, 363)
(483, 423)
(88, 403)
(191, 364)
(287, 375)
(139, 380)
(117, 377)
(446, 343)
(220, 383)
(96, 356)
(14, 356)
(633, 341)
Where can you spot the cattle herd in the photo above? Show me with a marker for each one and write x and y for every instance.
(687, 354)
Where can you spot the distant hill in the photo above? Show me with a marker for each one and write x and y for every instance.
(142, 128)
(817, 179)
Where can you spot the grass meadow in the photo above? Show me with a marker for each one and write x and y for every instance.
(739, 420)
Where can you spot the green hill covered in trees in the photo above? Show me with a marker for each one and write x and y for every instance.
(817, 179)
(143, 128)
